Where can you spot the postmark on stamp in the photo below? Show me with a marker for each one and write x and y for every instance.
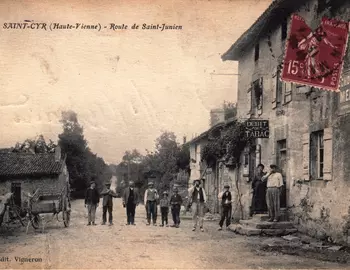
(315, 58)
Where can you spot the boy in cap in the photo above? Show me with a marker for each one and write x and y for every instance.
(150, 200)
(274, 184)
(176, 202)
(108, 195)
(197, 201)
(92, 198)
(164, 208)
(226, 203)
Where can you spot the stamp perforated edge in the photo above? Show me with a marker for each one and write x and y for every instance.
(335, 89)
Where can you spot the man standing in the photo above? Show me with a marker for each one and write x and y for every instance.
(197, 201)
(92, 198)
(259, 192)
(176, 202)
(108, 204)
(226, 204)
(150, 200)
(274, 185)
(130, 201)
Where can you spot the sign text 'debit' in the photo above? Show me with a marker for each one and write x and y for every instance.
(257, 129)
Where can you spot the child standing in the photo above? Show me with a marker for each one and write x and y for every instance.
(164, 208)
(176, 202)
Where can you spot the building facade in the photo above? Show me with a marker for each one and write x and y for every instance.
(24, 173)
(213, 176)
(309, 128)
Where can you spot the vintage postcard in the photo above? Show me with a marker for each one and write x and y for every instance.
(193, 134)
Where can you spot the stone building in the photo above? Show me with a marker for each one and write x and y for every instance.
(22, 173)
(309, 128)
(213, 176)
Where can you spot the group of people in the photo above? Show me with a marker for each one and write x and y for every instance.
(130, 201)
(266, 196)
(92, 200)
(151, 201)
(266, 192)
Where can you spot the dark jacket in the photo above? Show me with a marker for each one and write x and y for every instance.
(92, 196)
(127, 193)
(108, 197)
(226, 197)
(176, 200)
(195, 195)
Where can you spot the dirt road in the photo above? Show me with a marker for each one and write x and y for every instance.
(140, 246)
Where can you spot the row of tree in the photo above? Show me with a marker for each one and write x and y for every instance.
(162, 164)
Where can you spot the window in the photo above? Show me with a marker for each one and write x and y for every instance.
(316, 155)
(282, 155)
(256, 56)
(283, 93)
(257, 97)
(284, 29)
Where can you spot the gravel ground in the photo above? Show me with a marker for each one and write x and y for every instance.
(139, 247)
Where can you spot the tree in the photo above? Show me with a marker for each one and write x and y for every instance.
(74, 145)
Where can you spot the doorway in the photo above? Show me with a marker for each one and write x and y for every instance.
(282, 165)
(16, 191)
(252, 162)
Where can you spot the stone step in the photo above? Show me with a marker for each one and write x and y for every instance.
(265, 217)
(251, 231)
(267, 225)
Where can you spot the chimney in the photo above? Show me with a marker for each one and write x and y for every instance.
(58, 153)
(184, 139)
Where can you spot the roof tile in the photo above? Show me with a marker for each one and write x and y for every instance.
(28, 164)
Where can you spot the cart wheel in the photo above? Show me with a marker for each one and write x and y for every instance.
(66, 218)
(36, 221)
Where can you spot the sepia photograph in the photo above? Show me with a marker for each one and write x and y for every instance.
(179, 134)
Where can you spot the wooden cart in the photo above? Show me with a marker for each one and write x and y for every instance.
(49, 204)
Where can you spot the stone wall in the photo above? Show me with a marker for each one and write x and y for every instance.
(47, 185)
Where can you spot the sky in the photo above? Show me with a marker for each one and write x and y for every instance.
(127, 86)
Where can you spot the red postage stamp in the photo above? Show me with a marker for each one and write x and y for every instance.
(315, 58)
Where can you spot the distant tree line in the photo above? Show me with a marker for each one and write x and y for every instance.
(162, 164)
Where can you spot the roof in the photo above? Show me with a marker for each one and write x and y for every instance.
(207, 132)
(269, 20)
(28, 164)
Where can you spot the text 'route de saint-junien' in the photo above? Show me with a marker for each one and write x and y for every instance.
(31, 25)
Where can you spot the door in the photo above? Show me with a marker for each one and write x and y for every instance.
(282, 165)
(252, 162)
(16, 190)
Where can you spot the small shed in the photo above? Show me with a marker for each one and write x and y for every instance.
(25, 172)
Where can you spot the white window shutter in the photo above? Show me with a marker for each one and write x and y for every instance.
(306, 156)
(274, 88)
(288, 92)
(261, 85)
(328, 154)
(192, 151)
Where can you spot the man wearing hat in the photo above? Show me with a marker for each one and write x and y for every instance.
(92, 198)
(150, 200)
(274, 184)
(226, 203)
(197, 201)
(176, 202)
(107, 204)
(130, 201)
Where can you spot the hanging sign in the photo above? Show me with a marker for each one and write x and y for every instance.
(257, 128)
